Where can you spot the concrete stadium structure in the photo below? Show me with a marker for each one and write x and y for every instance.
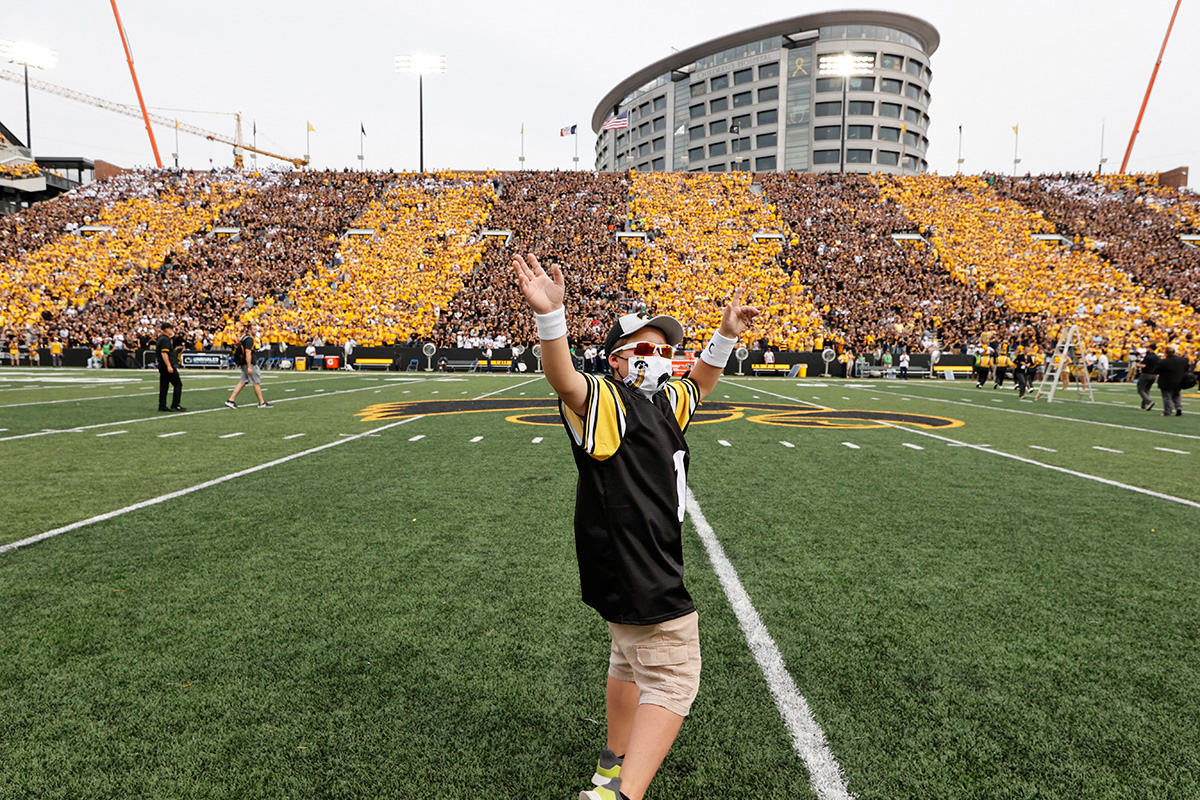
(754, 100)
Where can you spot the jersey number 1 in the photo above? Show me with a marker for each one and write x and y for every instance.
(680, 481)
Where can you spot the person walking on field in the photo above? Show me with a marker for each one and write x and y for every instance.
(1171, 372)
(243, 353)
(168, 370)
(1147, 376)
(627, 437)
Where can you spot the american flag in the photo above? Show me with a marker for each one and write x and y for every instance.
(617, 123)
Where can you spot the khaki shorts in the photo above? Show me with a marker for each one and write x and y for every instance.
(250, 374)
(663, 660)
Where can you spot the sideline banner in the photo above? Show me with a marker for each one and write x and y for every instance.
(202, 360)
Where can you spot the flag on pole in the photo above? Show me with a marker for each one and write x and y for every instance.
(522, 128)
(619, 122)
(681, 130)
(255, 124)
(311, 129)
(1015, 127)
(567, 131)
(361, 129)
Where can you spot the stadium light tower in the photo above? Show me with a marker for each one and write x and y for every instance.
(27, 55)
(421, 65)
(845, 66)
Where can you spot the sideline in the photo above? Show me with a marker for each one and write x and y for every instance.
(506, 388)
(214, 482)
(1022, 459)
(178, 415)
(825, 774)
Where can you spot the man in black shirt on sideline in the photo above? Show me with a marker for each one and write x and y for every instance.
(1170, 381)
(1147, 376)
(168, 370)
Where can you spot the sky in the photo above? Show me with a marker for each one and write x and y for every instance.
(1064, 71)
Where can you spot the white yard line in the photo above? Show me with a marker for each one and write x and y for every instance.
(154, 394)
(1177, 452)
(214, 482)
(294, 436)
(477, 439)
(176, 415)
(913, 446)
(723, 443)
(231, 435)
(788, 445)
(1107, 449)
(537, 440)
(1043, 449)
(1046, 416)
(506, 388)
(417, 438)
(1030, 461)
(169, 435)
(111, 433)
(825, 774)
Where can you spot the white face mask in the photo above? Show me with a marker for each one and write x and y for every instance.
(648, 374)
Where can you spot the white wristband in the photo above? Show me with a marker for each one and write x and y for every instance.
(718, 350)
(551, 326)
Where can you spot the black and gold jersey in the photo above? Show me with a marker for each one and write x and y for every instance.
(629, 502)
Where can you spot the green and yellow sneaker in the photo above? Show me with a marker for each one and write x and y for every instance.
(607, 768)
(611, 791)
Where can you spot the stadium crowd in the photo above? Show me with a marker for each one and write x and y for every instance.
(567, 218)
(25, 169)
(1134, 224)
(701, 248)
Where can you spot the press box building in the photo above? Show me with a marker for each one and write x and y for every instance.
(754, 101)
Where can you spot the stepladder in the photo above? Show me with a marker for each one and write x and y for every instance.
(1069, 358)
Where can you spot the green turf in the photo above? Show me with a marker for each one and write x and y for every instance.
(396, 618)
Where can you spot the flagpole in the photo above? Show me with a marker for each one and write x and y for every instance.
(576, 135)
(522, 159)
(307, 141)
(176, 153)
(254, 140)
(360, 147)
(1016, 147)
(960, 158)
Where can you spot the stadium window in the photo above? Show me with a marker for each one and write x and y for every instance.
(718, 127)
(860, 132)
(643, 149)
(717, 149)
(659, 144)
(826, 132)
(891, 86)
(926, 98)
(768, 117)
(768, 71)
(764, 163)
(890, 110)
(891, 61)
(716, 167)
(696, 169)
(741, 165)
(889, 158)
(742, 121)
(858, 156)
(741, 145)
(644, 109)
(925, 120)
(911, 139)
(768, 93)
(826, 156)
(658, 164)
(620, 141)
(910, 162)
(743, 76)
(695, 154)
(862, 108)
(697, 111)
(912, 115)
(829, 109)
(620, 159)
(660, 103)
(913, 92)
(660, 124)
(766, 140)
(644, 129)
(719, 82)
(632, 114)
(924, 144)
(696, 133)
(742, 99)
(914, 68)
(889, 134)
(829, 84)
(860, 84)
(697, 89)
(716, 106)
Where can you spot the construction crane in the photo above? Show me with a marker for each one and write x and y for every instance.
(129, 111)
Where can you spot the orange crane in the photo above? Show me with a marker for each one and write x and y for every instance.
(130, 111)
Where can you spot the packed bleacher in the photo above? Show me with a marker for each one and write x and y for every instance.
(19, 170)
(1130, 221)
(218, 251)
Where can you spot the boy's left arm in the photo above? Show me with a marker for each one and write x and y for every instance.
(736, 320)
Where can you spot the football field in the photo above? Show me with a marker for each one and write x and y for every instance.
(907, 589)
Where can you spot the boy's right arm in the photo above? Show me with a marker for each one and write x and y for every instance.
(544, 293)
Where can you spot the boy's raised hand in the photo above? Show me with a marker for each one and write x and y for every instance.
(543, 291)
(737, 318)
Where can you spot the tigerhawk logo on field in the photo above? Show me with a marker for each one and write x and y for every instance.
(544, 411)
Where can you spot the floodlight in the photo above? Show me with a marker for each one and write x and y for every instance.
(418, 64)
(28, 54)
(845, 64)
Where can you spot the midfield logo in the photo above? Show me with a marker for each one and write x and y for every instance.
(544, 411)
